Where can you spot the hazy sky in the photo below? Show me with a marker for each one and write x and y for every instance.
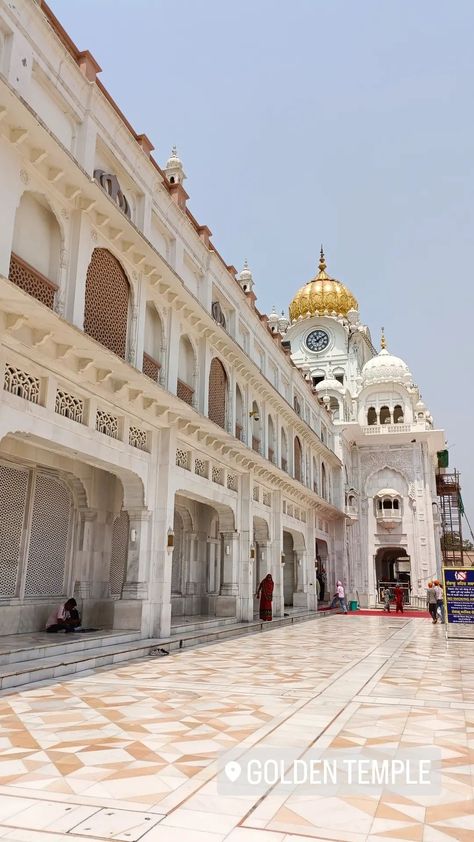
(346, 122)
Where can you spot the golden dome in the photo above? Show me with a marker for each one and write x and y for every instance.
(322, 296)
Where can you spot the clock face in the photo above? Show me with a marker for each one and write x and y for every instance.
(317, 340)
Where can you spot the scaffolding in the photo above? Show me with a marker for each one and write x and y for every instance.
(451, 510)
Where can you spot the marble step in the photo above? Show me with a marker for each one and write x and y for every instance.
(202, 623)
(76, 661)
(34, 647)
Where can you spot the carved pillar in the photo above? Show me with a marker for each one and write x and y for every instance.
(138, 559)
(85, 554)
(159, 606)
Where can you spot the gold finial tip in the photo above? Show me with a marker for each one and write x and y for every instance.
(322, 261)
(383, 341)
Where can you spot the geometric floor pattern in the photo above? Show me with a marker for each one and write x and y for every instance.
(131, 753)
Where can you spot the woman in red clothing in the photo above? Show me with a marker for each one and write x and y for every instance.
(398, 599)
(265, 592)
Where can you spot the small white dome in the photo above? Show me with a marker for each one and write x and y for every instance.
(245, 276)
(330, 384)
(174, 160)
(420, 406)
(273, 320)
(174, 168)
(385, 368)
(283, 323)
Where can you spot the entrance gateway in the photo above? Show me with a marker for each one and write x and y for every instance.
(392, 568)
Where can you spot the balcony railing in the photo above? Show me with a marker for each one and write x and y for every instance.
(239, 432)
(185, 392)
(352, 511)
(378, 429)
(31, 281)
(151, 367)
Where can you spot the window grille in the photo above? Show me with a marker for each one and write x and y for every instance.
(107, 424)
(31, 281)
(267, 498)
(14, 490)
(20, 383)
(118, 558)
(49, 538)
(201, 467)
(232, 482)
(217, 474)
(256, 493)
(182, 458)
(137, 438)
(69, 406)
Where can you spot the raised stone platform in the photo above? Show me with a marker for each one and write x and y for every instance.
(31, 658)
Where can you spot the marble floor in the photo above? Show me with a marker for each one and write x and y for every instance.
(135, 752)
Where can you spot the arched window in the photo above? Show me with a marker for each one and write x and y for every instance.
(398, 414)
(385, 416)
(256, 428)
(387, 504)
(271, 439)
(153, 343)
(315, 476)
(371, 417)
(186, 368)
(217, 400)
(324, 484)
(297, 459)
(239, 414)
(34, 261)
(107, 302)
(284, 451)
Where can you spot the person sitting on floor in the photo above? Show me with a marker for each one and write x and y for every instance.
(64, 618)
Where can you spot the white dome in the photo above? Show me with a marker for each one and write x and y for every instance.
(330, 384)
(385, 368)
(174, 162)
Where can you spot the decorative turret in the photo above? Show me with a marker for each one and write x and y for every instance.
(273, 321)
(174, 168)
(283, 323)
(246, 278)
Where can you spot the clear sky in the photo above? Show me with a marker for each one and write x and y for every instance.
(346, 122)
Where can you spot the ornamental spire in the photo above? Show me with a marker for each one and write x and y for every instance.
(383, 341)
(322, 261)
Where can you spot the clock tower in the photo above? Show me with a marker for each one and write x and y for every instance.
(327, 339)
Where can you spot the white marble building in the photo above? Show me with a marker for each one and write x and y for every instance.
(386, 441)
(163, 445)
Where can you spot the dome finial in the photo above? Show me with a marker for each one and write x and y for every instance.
(383, 341)
(322, 260)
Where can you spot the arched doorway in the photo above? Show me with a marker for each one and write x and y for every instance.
(202, 548)
(392, 567)
(289, 569)
(261, 562)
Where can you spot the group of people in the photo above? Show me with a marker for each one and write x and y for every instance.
(387, 599)
(434, 601)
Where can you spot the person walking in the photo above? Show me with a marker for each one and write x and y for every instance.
(265, 592)
(387, 595)
(341, 594)
(398, 599)
(432, 602)
(439, 600)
